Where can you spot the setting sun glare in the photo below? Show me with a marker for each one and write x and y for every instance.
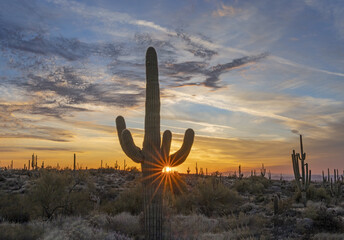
(167, 169)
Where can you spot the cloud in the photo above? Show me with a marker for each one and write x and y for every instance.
(295, 131)
(225, 11)
(197, 49)
(185, 71)
(37, 42)
(66, 86)
(14, 125)
(216, 71)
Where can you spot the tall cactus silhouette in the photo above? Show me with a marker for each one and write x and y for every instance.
(154, 155)
(302, 181)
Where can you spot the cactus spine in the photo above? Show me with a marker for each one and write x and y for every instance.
(302, 181)
(155, 153)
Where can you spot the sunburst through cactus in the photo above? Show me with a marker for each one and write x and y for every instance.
(155, 154)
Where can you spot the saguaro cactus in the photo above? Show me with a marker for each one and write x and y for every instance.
(74, 162)
(302, 181)
(240, 173)
(263, 170)
(154, 155)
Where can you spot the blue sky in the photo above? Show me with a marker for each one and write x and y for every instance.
(242, 74)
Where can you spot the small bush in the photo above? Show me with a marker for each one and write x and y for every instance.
(328, 236)
(252, 185)
(324, 220)
(130, 200)
(318, 194)
(14, 209)
(208, 197)
(19, 232)
(75, 228)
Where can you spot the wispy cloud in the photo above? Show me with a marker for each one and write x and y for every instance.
(224, 10)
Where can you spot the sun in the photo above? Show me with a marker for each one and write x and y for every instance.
(167, 169)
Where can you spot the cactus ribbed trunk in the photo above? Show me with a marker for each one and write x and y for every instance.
(155, 153)
(151, 150)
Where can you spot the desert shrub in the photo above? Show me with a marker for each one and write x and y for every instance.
(19, 232)
(229, 227)
(60, 193)
(129, 200)
(244, 225)
(318, 194)
(252, 185)
(13, 208)
(328, 236)
(209, 197)
(76, 228)
(324, 220)
(185, 227)
(124, 223)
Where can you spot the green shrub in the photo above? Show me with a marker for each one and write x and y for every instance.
(208, 197)
(318, 194)
(324, 220)
(60, 193)
(129, 200)
(252, 185)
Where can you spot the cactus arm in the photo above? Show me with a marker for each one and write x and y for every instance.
(295, 169)
(306, 180)
(179, 157)
(166, 146)
(127, 142)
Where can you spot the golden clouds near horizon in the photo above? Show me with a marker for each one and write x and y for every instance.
(213, 154)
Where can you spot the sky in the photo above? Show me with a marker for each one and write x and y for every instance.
(247, 76)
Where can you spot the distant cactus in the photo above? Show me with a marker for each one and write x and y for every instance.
(276, 203)
(269, 175)
(196, 169)
(201, 172)
(154, 155)
(188, 171)
(124, 165)
(240, 173)
(74, 162)
(42, 165)
(262, 171)
(324, 179)
(336, 185)
(302, 180)
(33, 161)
